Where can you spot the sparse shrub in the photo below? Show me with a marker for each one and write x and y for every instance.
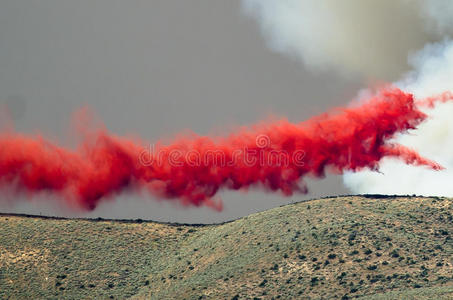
(374, 279)
(367, 251)
(341, 276)
(314, 281)
(394, 253)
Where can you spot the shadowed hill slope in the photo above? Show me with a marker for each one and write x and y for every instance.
(342, 247)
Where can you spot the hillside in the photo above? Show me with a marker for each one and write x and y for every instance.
(342, 247)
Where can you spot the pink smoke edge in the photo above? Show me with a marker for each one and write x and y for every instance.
(103, 165)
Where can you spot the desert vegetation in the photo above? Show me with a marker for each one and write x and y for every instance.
(334, 248)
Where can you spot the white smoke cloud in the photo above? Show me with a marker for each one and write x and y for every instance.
(433, 74)
(359, 37)
(375, 39)
(438, 14)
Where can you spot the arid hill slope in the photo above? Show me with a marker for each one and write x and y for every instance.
(342, 247)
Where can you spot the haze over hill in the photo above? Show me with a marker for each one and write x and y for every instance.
(145, 73)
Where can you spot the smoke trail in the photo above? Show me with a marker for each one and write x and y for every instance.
(433, 73)
(274, 155)
(361, 37)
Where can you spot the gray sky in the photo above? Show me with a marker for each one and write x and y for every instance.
(154, 68)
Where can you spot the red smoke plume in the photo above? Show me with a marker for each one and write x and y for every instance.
(275, 156)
